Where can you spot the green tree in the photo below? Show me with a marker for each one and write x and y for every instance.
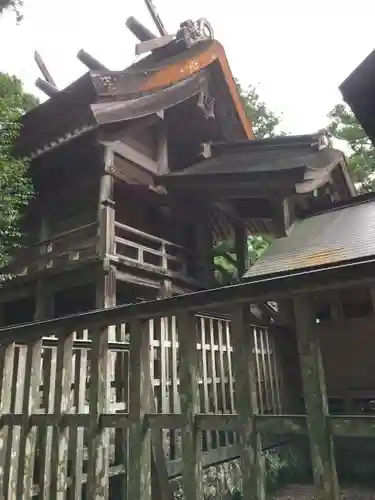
(15, 185)
(14, 5)
(361, 162)
(265, 122)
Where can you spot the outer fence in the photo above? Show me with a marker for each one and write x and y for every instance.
(64, 397)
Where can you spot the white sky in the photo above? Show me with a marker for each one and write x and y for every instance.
(296, 51)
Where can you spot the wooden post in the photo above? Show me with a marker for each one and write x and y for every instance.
(139, 467)
(7, 367)
(321, 441)
(189, 395)
(204, 244)
(242, 250)
(244, 365)
(62, 404)
(162, 149)
(98, 438)
(44, 309)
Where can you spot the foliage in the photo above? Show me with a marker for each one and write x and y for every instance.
(14, 5)
(264, 121)
(280, 468)
(225, 259)
(15, 186)
(361, 163)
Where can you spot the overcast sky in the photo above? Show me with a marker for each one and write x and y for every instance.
(296, 51)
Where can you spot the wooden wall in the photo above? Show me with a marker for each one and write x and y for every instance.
(348, 348)
(67, 186)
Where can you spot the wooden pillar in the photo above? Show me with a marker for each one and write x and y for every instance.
(106, 281)
(98, 438)
(241, 248)
(189, 395)
(44, 301)
(44, 309)
(139, 467)
(244, 365)
(321, 440)
(204, 244)
(162, 149)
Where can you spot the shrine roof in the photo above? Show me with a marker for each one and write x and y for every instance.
(305, 162)
(343, 234)
(158, 81)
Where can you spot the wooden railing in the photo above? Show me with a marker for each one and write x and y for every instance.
(58, 251)
(150, 253)
(65, 401)
(87, 408)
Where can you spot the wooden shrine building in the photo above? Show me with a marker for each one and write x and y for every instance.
(129, 365)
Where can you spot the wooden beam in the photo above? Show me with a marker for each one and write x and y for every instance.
(361, 426)
(139, 30)
(241, 247)
(244, 365)
(136, 157)
(153, 44)
(162, 149)
(90, 62)
(156, 18)
(189, 394)
(43, 69)
(139, 466)
(284, 217)
(321, 440)
(334, 277)
(98, 438)
(46, 87)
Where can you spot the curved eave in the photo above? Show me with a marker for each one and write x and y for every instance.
(115, 111)
(151, 74)
(70, 110)
(145, 105)
(192, 64)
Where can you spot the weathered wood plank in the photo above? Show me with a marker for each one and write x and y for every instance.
(360, 426)
(139, 467)
(13, 449)
(98, 438)
(321, 441)
(175, 400)
(244, 366)
(77, 434)
(206, 402)
(214, 395)
(62, 403)
(7, 361)
(229, 422)
(28, 437)
(189, 395)
(281, 424)
(258, 372)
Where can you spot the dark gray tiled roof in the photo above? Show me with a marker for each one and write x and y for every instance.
(265, 155)
(330, 238)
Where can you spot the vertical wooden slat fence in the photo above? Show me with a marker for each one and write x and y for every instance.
(75, 402)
